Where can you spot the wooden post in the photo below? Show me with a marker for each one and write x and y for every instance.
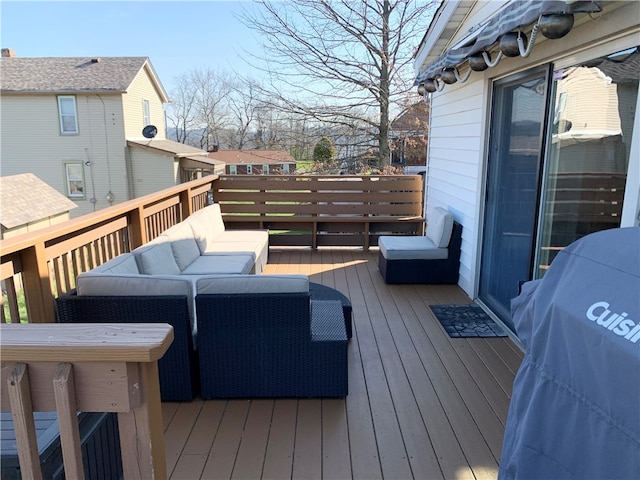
(122, 356)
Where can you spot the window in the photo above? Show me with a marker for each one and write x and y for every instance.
(265, 169)
(74, 175)
(68, 115)
(233, 169)
(146, 113)
(285, 167)
(249, 169)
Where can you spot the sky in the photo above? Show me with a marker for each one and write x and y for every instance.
(176, 36)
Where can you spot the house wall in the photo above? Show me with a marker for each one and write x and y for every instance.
(151, 171)
(459, 129)
(31, 142)
(33, 226)
(141, 88)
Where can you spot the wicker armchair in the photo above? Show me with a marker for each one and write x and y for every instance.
(270, 345)
(178, 370)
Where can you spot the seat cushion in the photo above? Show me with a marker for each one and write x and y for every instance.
(439, 227)
(253, 284)
(220, 263)
(410, 248)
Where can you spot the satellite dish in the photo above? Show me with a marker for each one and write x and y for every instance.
(149, 131)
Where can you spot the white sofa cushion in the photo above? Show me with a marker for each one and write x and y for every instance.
(439, 227)
(125, 263)
(104, 285)
(183, 244)
(156, 259)
(206, 224)
(221, 264)
(252, 284)
(410, 248)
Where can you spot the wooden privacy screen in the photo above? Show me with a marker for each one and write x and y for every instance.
(323, 210)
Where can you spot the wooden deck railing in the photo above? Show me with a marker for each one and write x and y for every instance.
(307, 211)
(45, 263)
(69, 368)
(323, 210)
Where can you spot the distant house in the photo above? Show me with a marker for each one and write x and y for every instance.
(408, 138)
(256, 162)
(77, 123)
(532, 148)
(27, 204)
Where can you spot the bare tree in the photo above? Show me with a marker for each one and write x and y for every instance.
(341, 61)
(199, 109)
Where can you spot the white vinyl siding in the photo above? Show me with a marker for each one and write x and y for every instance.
(151, 171)
(459, 131)
(142, 88)
(68, 114)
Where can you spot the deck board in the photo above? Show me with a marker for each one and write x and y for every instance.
(420, 405)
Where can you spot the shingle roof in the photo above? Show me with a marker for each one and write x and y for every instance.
(261, 157)
(68, 75)
(25, 198)
(168, 146)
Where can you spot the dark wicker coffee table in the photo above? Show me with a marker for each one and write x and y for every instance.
(322, 292)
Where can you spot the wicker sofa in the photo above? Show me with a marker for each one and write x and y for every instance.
(262, 336)
(243, 336)
(158, 283)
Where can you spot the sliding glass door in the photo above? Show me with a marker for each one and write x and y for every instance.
(594, 105)
(512, 191)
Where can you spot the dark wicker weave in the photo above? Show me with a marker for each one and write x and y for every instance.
(322, 292)
(178, 367)
(262, 345)
(425, 271)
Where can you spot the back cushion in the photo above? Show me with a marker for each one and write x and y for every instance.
(439, 227)
(206, 224)
(184, 246)
(156, 259)
(125, 263)
(131, 285)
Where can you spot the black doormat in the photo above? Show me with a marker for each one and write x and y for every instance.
(466, 321)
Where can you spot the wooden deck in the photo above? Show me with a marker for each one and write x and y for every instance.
(421, 405)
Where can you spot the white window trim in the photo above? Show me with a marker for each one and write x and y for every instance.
(233, 169)
(249, 169)
(285, 168)
(61, 116)
(68, 180)
(265, 169)
(146, 112)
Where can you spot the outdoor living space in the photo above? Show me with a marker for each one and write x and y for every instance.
(420, 404)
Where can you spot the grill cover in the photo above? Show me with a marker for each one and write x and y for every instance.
(575, 409)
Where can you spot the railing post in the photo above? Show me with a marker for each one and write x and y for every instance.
(36, 284)
(122, 356)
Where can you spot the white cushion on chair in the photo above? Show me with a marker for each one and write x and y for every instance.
(439, 227)
(400, 247)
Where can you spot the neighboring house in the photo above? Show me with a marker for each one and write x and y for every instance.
(27, 204)
(256, 162)
(77, 123)
(408, 138)
(533, 151)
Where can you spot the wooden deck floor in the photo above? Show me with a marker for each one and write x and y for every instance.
(420, 405)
